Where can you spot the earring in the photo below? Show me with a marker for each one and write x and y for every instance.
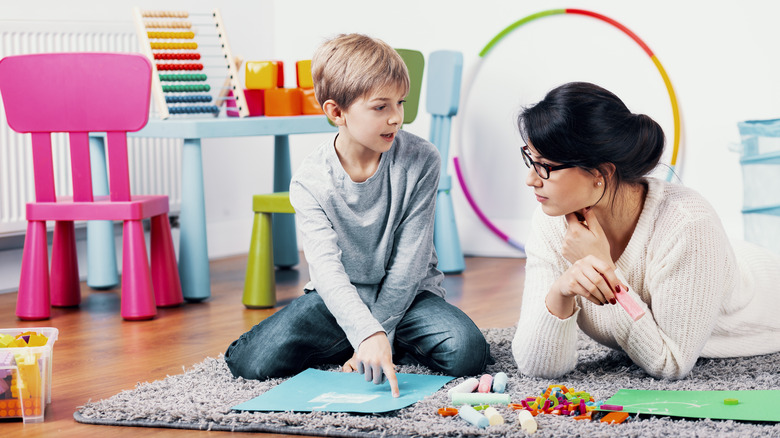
(598, 183)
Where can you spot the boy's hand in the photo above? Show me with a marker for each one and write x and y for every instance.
(374, 358)
(350, 366)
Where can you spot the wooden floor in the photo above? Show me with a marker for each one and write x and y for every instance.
(98, 354)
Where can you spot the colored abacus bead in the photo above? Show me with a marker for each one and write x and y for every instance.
(171, 35)
(152, 24)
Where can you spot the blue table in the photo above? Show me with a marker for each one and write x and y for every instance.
(193, 249)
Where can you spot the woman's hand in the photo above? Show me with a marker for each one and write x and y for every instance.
(584, 236)
(592, 273)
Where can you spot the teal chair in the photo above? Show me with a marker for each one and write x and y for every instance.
(445, 69)
(273, 211)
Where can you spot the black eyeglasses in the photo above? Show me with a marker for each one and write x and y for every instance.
(543, 170)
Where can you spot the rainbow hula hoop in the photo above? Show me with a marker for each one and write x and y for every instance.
(500, 36)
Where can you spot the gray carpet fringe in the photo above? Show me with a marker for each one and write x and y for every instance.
(200, 399)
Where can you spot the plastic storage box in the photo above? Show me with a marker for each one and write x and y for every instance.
(760, 161)
(25, 374)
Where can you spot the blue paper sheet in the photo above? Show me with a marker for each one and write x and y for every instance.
(317, 390)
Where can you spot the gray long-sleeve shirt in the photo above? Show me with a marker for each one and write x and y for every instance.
(369, 245)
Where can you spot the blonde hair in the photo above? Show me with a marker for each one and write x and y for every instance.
(350, 66)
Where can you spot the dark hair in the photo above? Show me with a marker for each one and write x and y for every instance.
(582, 124)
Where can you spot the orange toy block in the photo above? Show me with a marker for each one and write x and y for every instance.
(615, 417)
(262, 75)
(309, 102)
(283, 102)
(303, 71)
(10, 408)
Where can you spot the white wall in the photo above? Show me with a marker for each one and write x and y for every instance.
(719, 56)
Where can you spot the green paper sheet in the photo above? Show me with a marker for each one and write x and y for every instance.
(758, 405)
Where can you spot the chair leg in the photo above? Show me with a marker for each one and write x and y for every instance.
(165, 273)
(65, 288)
(260, 281)
(101, 255)
(32, 302)
(101, 251)
(137, 296)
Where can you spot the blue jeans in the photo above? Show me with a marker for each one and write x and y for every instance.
(304, 334)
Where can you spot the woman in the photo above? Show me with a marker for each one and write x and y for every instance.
(603, 223)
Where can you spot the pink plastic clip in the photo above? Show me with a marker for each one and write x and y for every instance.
(628, 303)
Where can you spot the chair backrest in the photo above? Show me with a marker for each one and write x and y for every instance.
(415, 63)
(445, 68)
(77, 93)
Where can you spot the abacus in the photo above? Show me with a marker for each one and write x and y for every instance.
(194, 68)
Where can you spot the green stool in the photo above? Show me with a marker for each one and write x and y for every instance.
(260, 282)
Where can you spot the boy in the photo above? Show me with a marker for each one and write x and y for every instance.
(364, 204)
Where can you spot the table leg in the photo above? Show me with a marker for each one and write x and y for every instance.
(193, 246)
(101, 250)
(284, 237)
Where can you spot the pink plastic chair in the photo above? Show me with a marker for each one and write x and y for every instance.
(79, 93)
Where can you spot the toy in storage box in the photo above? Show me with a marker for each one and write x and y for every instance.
(25, 372)
(760, 161)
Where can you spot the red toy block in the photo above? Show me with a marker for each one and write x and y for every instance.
(280, 74)
(283, 102)
(309, 103)
(255, 102)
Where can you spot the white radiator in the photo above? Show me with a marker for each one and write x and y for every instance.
(155, 164)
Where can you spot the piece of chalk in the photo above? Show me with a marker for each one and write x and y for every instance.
(628, 303)
(485, 383)
(527, 421)
(611, 407)
(493, 416)
(468, 385)
(478, 398)
(472, 416)
(499, 382)
(730, 401)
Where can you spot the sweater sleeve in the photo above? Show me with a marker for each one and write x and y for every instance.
(544, 345)
(321, 246)
(681, 273)
(687, 277)
(413, 249)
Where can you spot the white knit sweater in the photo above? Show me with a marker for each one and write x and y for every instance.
(702, 295)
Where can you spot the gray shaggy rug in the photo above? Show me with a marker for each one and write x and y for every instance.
(201, 398)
